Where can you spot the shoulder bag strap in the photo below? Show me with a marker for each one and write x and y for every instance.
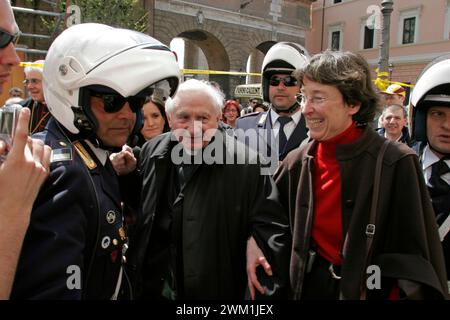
(370, 228)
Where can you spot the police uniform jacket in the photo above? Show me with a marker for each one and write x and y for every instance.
(441, 205)
(406, 243)
(262, 120)
(73, 247)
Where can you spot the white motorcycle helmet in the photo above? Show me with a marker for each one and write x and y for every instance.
(432, 88)
(91, 55)
(283, 58)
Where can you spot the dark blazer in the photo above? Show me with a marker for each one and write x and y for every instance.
(262, 121)
(76, 228)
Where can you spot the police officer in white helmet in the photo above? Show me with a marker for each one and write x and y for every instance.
(96, 79)
(431, 129)
(283, 122)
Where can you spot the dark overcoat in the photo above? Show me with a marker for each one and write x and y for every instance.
(406, 243)
(222, 205)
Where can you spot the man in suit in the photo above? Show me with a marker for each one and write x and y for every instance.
(282, 127)
(394, 120)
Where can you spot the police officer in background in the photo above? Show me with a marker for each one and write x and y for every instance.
(283, 122)
(75, 245)
(431, 128)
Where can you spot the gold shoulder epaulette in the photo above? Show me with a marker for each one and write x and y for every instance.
(87, 159)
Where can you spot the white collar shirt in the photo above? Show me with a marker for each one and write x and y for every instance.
(428, 159)
(289, 127)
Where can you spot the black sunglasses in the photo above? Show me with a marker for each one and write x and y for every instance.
(6, 38)
(114, 101)
(288, 81)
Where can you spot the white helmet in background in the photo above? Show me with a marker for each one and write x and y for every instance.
(282, 58)
(432, 87)
(119, 60)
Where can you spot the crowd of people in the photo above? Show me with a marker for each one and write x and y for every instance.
(131, 184)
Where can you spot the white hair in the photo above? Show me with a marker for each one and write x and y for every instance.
(37, 66)
(196, 86)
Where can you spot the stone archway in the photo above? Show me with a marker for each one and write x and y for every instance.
(212, 48)
(223, 40)
(204, 51)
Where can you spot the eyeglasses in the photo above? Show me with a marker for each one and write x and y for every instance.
(6, 38)
(288, 81)
(230, 110)
(302, 99)
(32, 81)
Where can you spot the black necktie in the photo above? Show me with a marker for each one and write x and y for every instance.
(439, 190)
(282, 136)
(438, 169)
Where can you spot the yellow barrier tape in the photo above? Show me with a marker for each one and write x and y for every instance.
(234, 73)
(31, 64)
(383, 74)
(185, 71)
(403, 84)
(383, 83)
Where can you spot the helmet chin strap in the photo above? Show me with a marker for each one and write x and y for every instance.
(291, 110)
